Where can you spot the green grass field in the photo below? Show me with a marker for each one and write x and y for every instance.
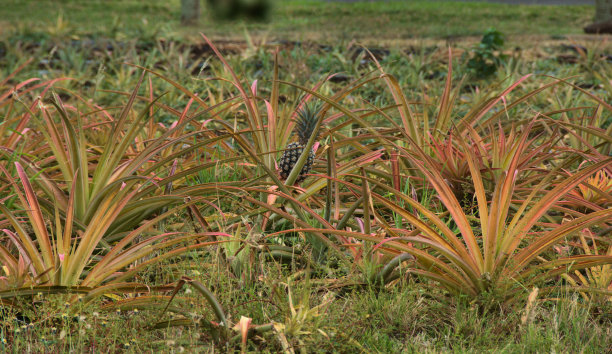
(141, 208)
(329, 22)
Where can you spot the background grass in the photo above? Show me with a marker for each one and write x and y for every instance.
(325, 21)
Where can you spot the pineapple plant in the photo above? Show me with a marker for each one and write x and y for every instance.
(305, 125)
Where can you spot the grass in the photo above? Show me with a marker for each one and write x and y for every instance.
(386, 21)
(199, 195)
(367, 320)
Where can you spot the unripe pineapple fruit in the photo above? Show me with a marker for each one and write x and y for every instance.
(290, 157)
(305, 125)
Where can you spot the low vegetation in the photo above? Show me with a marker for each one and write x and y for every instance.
(444, 198)
(297, 19)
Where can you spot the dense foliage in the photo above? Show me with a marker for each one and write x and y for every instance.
(439, 202)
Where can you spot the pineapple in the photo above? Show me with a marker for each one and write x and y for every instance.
(304, 127)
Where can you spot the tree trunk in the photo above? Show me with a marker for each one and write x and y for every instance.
(190, 11)
(603, 18)
(603, 10)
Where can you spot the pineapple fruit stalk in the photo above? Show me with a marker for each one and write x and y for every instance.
(305, 126)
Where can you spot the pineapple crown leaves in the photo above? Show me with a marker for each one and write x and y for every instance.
(306, 121)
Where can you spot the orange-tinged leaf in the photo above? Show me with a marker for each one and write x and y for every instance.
(36, 218)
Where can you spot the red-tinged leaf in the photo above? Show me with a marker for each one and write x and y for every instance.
(36, 218)
(594, 97)
(473, 120)
(167, 254)
(16, 71)
(446, 103)
(381, 243)
(128, 239)
(542, 243)
(9, 260)
(243, 326)
(17, 87)
(45, 290)
(105, 214)
(449, 283)
(25, 240)
(517, 233)
(182, 118)
(486, 220)
(271, 130)
(448, 198)
(410, 125)
(249, 101)
(178, 86)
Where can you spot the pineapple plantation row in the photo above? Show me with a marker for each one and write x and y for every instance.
(236, 203)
